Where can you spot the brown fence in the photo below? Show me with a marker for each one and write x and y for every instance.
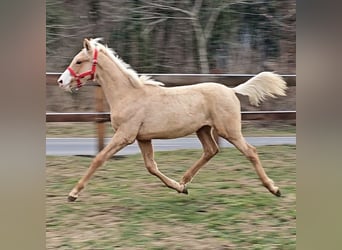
(231, 80)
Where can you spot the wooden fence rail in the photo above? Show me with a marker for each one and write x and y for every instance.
(170, 80)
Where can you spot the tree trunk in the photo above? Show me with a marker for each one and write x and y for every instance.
(201, 47)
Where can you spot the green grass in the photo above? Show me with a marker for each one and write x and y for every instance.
(124, 207)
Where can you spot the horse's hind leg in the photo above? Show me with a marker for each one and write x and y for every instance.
(148, 155)
(233, 135)
(210, 148)
(250, 152)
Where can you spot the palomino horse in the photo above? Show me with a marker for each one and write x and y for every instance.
(142, 109)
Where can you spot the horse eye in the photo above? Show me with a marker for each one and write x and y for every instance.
(78, 62)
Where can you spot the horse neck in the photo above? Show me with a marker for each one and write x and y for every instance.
(114, 82)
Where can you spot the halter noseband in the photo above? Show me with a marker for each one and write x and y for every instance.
(91, 72)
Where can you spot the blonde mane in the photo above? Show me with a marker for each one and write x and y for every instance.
(136, 80)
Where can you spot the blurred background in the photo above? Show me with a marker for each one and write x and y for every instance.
(178, 36)
(193, 36)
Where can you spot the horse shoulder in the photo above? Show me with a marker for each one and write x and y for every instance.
(128, 110)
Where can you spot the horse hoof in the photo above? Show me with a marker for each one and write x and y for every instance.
(71, 198)
(278, 194)
(185, 190)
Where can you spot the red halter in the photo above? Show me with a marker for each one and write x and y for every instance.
(91, 72)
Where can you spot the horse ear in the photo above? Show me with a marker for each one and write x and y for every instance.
(86, 44)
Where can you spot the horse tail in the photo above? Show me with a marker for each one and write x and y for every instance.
(261, 86)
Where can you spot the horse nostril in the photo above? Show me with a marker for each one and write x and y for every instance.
(60, 82)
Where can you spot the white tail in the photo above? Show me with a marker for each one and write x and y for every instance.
(261, 86)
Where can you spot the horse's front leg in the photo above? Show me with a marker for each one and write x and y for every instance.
(119, 141)
(148, 155)
(210, 149)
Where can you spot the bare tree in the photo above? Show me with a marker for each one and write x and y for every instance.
(202, 27)
(177, 36)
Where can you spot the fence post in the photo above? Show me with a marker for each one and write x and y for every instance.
(100, 125)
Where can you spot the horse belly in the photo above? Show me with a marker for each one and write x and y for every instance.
(168, 125)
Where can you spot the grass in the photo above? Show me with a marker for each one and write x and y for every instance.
(124, 207)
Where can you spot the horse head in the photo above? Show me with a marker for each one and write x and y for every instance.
(81, 69)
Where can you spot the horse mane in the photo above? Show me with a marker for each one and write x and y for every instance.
(136, 80)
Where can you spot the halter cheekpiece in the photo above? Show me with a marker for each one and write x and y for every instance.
(91, 72)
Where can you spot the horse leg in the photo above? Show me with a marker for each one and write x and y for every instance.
(119, 141)
(251, 153)
(148, 155)
(210, 148)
